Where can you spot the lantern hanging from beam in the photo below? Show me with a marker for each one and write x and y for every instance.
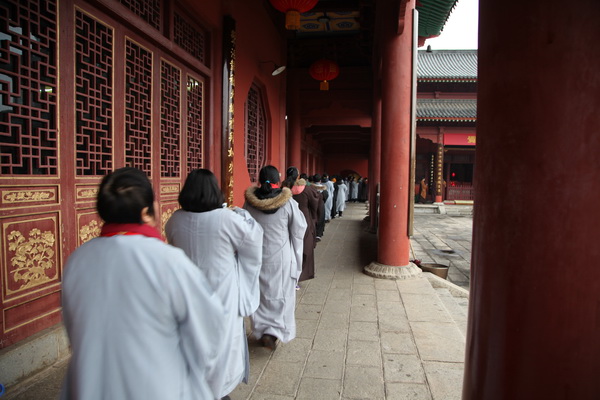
(324, 70)
(292, 10)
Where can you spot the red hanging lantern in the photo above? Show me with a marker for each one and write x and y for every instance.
(324, 70)
(292, 10)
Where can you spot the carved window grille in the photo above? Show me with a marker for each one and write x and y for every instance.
(28, 83)
(190, 38)
(93, 93)
(148, 10)
(195, 122)
(170, 127)
(256, 132)
(138, 106)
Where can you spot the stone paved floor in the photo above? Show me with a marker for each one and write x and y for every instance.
(445, 239)
(360, 337)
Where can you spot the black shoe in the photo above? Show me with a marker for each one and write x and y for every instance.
(269, 341)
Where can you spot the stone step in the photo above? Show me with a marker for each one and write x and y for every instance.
(457, 307)
(454, 298)
(426, 209)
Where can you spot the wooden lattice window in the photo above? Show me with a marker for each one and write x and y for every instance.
(190, 37)
(148, 10)
(170, 126)
(138, 106)
(256, 132)
(28, 82)
(94, 93)
(195, 122)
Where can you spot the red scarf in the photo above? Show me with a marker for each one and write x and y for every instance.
(130, 229)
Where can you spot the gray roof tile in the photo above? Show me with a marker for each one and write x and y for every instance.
(446, 110)
(447, 65)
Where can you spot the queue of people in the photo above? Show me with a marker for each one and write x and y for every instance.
(147, 319)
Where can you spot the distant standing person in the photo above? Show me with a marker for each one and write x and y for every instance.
(342, 195)
(142, 320)
(423, 186)
(284, 226)
(353, 190)
(329, 200)
(226, 244)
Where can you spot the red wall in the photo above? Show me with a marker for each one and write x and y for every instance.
(257, 39)
(336, 163)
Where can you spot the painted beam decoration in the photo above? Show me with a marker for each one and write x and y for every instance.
(460, 139)
(228, 92)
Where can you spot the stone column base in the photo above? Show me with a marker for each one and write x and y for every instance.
(381, 271)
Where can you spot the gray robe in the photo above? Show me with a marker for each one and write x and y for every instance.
(142, 320)
(226, 245)
(329, 201)
(341, 197)
(284, 226)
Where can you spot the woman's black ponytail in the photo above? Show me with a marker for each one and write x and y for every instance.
(291, 175)
(267, 176)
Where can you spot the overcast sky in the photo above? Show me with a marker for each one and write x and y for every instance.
(460, 32)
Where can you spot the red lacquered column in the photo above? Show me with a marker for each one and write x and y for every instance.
(294, 144)
(375, 157)
(396, 83)
(534, 313)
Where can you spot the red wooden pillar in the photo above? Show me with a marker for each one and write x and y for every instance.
(374, 159)
(396, 96)
(534, 313)
(294, 144)
(439, 167)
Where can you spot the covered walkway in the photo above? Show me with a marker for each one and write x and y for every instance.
(360, 337)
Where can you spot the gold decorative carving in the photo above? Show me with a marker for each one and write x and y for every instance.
(471, 139)
(24, 196)
(89, 231)
(164, 217)
(169, 189)
(33, 257)
(87, 193)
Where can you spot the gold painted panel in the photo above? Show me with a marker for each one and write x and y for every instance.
(86, 192)
(166, 210)
(31, 255)
(89, 225)
(170, 189)
(24, 196)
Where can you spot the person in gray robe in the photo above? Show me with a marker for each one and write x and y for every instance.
(142, 320)
(342, 196)
(284, 226)
(329, 201)
(226, 244)
(353, 190)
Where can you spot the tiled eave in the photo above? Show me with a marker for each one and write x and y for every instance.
(467, 80)
(445, 119)
(455, 110)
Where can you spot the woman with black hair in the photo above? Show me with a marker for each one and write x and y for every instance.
(284, 227)
(226, 244)
(308, 199)
(143, 321)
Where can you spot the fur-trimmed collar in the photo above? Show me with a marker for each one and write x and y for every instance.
(268, 205)
(300, 182)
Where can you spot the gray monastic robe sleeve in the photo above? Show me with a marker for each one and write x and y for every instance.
(249, 261)
(297, 228)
